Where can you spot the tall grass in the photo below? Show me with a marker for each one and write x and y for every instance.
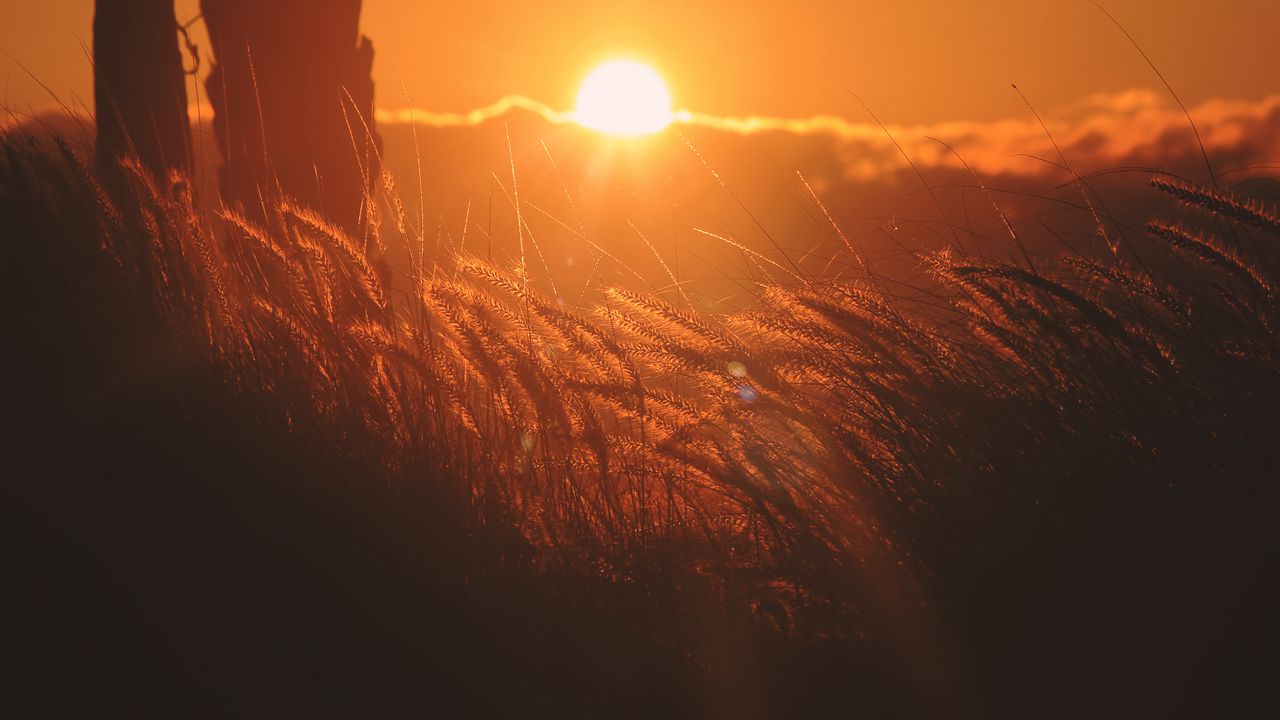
(836, 461)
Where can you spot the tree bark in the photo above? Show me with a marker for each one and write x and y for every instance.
(292, 97)
(139, 87)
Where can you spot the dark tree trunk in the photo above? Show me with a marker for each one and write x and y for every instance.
(292, 99)
(139, 88)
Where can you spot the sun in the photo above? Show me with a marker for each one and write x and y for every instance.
(624, 97)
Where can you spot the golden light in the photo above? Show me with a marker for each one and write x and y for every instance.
(624, 97)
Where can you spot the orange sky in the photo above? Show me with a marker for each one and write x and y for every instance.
(914, 61)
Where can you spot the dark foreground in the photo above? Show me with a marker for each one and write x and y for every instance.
(170, 549)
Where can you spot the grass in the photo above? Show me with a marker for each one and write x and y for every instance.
(991, 496)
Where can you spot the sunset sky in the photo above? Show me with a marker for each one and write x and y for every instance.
(913, 61)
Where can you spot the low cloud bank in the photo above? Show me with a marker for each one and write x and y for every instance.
(1104, 130)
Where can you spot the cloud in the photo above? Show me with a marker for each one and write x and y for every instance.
(474, 117)
(1099, 131)
(1136, 126)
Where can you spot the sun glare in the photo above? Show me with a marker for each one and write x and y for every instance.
(624, 97)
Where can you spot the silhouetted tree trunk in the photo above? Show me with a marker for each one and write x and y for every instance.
(292, 98)
(139, 89)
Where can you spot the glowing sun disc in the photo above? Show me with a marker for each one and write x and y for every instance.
(624, 97)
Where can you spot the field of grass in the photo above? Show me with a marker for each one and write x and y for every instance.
(264, 470)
